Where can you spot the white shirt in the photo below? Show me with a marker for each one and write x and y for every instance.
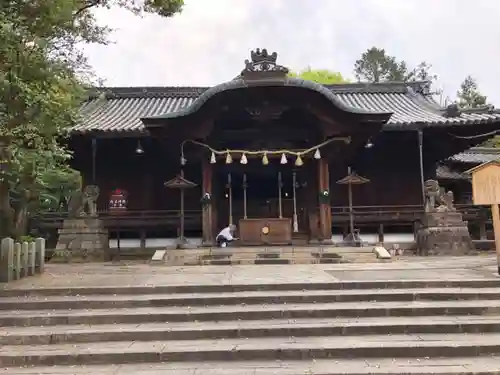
(226, 234)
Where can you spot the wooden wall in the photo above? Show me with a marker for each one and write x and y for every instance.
(392, 166)
(141, 175)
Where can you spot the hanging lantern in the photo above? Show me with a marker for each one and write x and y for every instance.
(229, 159)
(298, 161)
(212, 159)
(317, 154)
(265, 160)
(283, 159)
(139, 149)
(243, 159)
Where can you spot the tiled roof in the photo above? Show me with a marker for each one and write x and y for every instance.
(444, 172)
(477, 155)
(123, 108)
(453, 167)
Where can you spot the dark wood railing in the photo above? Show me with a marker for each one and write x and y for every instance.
(406, 213)
(340, 214)
(127, 219)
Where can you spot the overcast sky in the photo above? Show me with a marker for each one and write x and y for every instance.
(207, 43)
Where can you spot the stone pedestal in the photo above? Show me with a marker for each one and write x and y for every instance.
(443, 233)
(82, 239)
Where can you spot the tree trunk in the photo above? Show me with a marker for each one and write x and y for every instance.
(21, 214)
(21, 222)
(6, 211)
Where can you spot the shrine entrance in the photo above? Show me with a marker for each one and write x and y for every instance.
(256, 197)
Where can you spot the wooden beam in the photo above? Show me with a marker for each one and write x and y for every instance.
(207, 217)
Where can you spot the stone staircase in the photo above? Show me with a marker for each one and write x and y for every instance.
(269, 255)
(395, 327)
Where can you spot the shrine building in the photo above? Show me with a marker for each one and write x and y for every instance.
(306, 161)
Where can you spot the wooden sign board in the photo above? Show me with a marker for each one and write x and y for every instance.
(486, 183)
(486, 191)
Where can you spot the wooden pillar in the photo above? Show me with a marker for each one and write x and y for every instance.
(381, 233)
(310, 196)
(495, 215)
(207, 218)
(142, 235)
(325, 210)
(146, 205)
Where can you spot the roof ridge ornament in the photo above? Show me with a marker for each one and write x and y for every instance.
(262, 66)
(453, 110)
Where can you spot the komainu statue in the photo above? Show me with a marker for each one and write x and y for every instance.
(437, 199)
(84, 203)
(443, 230)
(431, 190)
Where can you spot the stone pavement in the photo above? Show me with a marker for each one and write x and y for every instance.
(412, 316)
(143, 274)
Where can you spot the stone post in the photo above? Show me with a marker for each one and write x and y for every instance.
(17, 260)
(24, 259)
(40, 254)
(482, 231)
(31, 259)
(7, 260)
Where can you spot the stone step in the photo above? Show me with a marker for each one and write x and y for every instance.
(245, 259)
(305, 348)
(218, 288)
(278, 261)
(367, 366)
(248, 329)
(255, 255)
(249, 298)
(247, 312)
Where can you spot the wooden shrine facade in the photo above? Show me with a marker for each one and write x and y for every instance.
(266, 151)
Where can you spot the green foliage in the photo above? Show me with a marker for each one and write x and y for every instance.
(164, 8)
(375, 65)
(469, 96)
(492, 142)
(321, 76)
(27, 239)
(43, 78)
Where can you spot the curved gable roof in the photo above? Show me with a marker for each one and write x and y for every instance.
(122, 108)
(240, 83)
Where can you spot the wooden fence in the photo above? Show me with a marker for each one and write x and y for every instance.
(18, 260)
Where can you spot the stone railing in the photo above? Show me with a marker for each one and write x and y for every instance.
(18, 260)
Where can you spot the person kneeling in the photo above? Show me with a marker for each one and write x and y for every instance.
(226, 236)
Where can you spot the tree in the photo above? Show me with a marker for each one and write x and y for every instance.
(422, 73)
(375, 65)
(321, 76)
(469, 95)
(43, 77)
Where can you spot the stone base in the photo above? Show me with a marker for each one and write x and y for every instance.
(183, 243)
(82, 240)
(444, 233)
(327, 241)
(208, 243)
